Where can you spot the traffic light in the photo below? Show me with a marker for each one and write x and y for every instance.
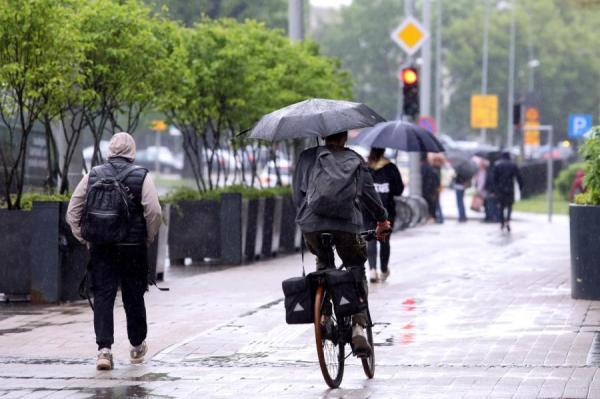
(410, 91)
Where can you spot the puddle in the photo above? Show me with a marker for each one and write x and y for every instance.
(131, 391)
(155, 377)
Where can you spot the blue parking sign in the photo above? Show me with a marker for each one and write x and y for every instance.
(579, 124)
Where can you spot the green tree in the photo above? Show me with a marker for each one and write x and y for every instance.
(560, 34)
(272, 12)
(231, 73)
(360, 38)
(39, 55)
(124, 60)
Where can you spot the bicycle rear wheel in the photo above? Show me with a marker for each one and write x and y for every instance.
(330, 345)
(368, 363)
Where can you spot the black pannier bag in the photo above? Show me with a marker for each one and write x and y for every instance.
(346, 294)
(298, 300)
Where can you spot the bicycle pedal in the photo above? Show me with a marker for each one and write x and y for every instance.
(362, 354)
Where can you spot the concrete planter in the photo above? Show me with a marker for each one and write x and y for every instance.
(585, 251)
(58, 261)
(287, 237)
(15, 239)
(194, 231)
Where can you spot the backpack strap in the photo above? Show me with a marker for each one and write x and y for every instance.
(127, 171)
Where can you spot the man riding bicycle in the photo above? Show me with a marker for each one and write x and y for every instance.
(330, 187)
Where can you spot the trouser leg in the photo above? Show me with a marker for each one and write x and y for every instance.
(372, 254)
(133, 287)
(460, 204)
(384, 255)
(105, 282)
(508, 211)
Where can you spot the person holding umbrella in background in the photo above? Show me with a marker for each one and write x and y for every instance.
(388, 184)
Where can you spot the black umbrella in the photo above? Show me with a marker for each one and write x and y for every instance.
(314, 118)
(463, 165)
(400, 135)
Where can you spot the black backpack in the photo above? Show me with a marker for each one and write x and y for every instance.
(334, 186)
(105, 218)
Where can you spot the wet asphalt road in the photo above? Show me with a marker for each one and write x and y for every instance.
(467, 312)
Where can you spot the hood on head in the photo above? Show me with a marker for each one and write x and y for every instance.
(122, 145)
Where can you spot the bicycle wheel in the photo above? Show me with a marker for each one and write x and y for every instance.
(330, 345)
(368, 363)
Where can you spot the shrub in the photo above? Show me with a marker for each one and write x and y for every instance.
(28, 198)
(591, 154)
(186, 193)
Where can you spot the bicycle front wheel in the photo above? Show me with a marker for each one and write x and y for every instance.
(368, 363)
(330, 344)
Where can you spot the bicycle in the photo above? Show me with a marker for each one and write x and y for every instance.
(332, 337)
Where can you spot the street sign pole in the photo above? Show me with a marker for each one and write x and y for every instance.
(414, 159)
(549, 165)
(484, 61)
(511, 80)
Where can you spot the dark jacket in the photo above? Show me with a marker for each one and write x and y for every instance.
(430, 182)
(388, 184)
(311, 222)
(503, 177)
(134, 181)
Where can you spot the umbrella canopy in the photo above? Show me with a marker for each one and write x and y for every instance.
(314, 118)
(400, 135)
(463, 165)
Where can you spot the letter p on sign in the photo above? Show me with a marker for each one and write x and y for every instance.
(579, 124)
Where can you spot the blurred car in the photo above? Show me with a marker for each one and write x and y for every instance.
(268, 176)
(167, 161)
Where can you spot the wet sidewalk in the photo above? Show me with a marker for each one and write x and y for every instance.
(467, 312)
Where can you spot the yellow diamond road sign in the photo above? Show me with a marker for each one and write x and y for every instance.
(410, 35)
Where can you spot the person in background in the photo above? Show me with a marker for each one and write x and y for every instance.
(577, 187)
(460, 184)
(388, 184)
(430, 185)
(122, 263)
(504, 176)
(437, 161)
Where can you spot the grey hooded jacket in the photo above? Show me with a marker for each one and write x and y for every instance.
(309, 221)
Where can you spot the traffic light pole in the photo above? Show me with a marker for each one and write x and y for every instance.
(414, 159)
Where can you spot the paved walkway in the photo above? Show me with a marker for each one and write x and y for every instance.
(468, 312)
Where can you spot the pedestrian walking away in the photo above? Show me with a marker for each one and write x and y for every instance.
(430, 183)
(388, 184)
(330, 185)
(504, 175)
(460, 184)
(115, 212)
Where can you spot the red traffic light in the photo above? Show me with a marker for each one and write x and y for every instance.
(409, 76)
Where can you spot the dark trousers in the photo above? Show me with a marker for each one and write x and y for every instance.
(351, 248)
(113, 266)
(505, 210)
(384, 255)
(460, 204)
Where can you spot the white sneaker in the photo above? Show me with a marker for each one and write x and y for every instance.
(104, 360)
(360, 341)
(137, 353)
(385, 275)
(373, 276)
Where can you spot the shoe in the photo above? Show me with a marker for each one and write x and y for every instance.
(508, 227)
(360, 343)
(385, 275)
(373, 277)
(104, 360)
(137, 353)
